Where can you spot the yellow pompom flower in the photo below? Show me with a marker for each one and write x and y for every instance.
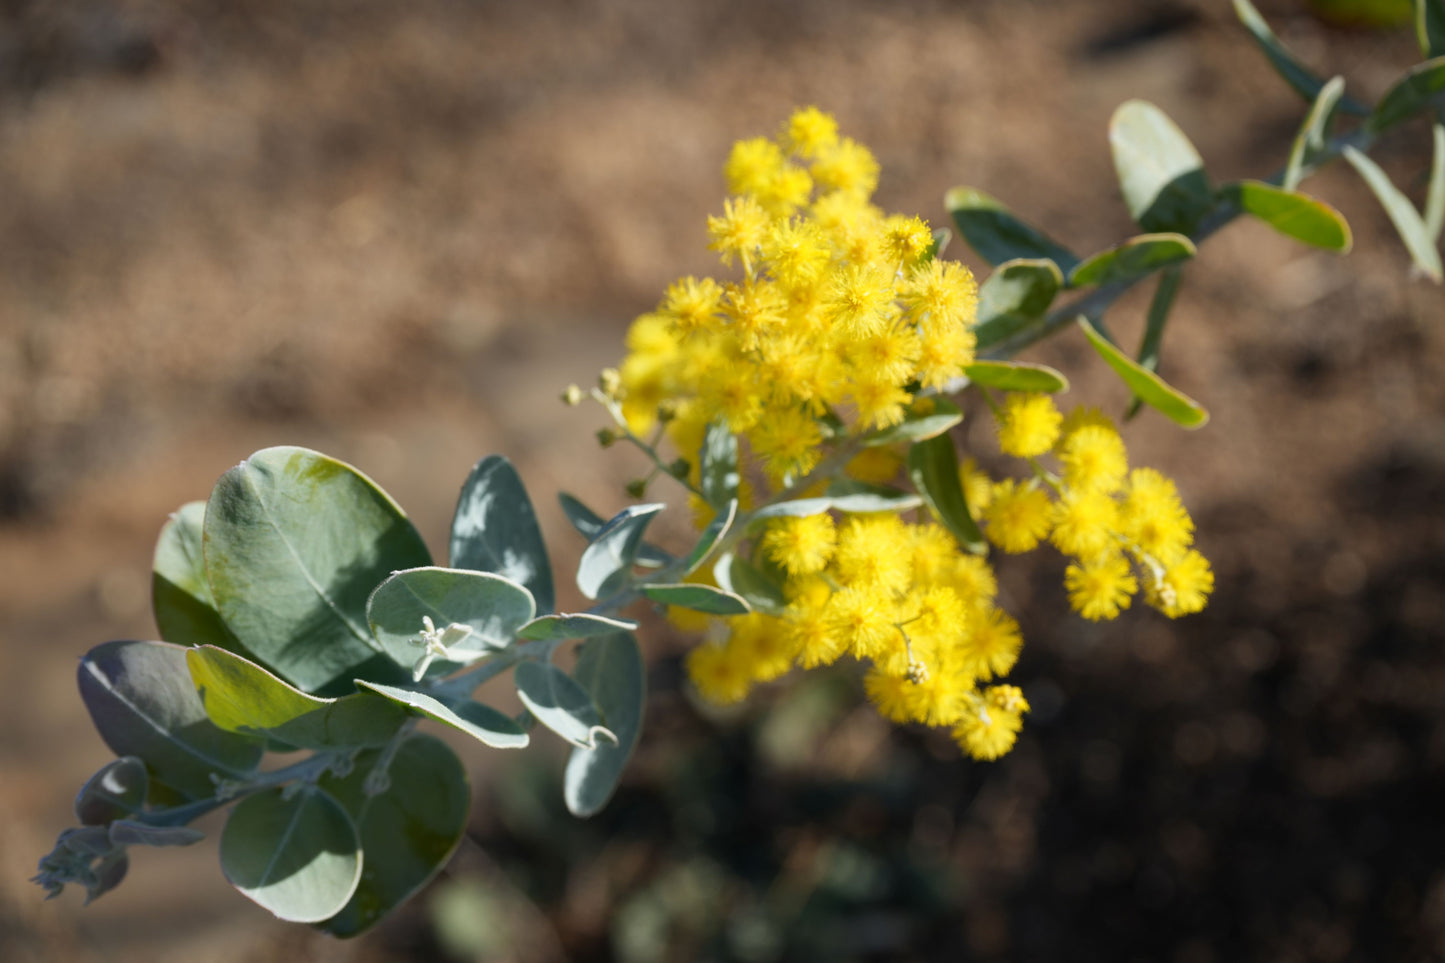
(1028, 424)
(786, 191)
(991, 722)
(858, 299)
(752, 165)
(944, 349)
(992, 644)
(740, 230)
(1101, 588)
(874, 552)
(880, 404)
(972, 578)
(1018, 516)
(865, 619)
(906, 239)
(889, 694)
(889, 354)
(788, 440)
(801, 546)
(692, 305)
(1154, 518)
(1094, 459)
(846, 166)
(1084, 523)
(941, 292)
(763, 646)
(810, 132)
(717, 674)
(796, 252)
(933, 551)
(1184, 587)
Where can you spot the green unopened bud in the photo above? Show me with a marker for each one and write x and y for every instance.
(610, 382)
(637, 487)
(666, 410)
(606, 437)
(679, 468)
(572, 396)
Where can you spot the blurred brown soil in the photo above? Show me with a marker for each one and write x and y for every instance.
(394, 231)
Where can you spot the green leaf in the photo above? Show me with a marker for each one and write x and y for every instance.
(716, 529)
(700, 598)
(408, 832)
(560, 704)
(495, 530)
(1136, 257)
(998, 236)
(927, 417)
(1430, 27)
(492, 606)
(116, 790)
(1309, 143)
(479, 721)
(184, 608)
(1304, 82)
(294, 543)
(719, 465)
(1016, 376)
(933, 466)
(607, 562)
(299, 857)
(1292, 214)
(737, 575)
(588, 523)
(143, 704)
(558, 628)
(1435, 196)
(1422, 87)
(1016, 294)
(1147, 385)
(240, 696)
(1160, 172)
(1402, 213)
(610, 669)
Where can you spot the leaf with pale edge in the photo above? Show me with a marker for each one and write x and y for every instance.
(1148, 386)
(610, 669)
(495, 530)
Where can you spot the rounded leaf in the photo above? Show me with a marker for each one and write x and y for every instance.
(492, 606)
(560, 704)
(295, 542)
(558, 628)
(479, 721)
(607, 562)
(1016, 376)
(993, 231)
(1160, 172)
(114, 792)
(1148, 386)
(495, 530)
(184, 609)
(407, 832)
(297, 855)
(1292, 214)
(143, 703)
(240, 696)
(1136, 257)
(610, 669)
(700, 598)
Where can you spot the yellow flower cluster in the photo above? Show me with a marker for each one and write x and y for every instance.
(901, 597)
(1110, 520)
(840, 310)
(837, 318)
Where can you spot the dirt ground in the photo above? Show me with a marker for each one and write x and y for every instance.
(393, 232)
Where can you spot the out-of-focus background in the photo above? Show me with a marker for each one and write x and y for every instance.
(394, 232)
